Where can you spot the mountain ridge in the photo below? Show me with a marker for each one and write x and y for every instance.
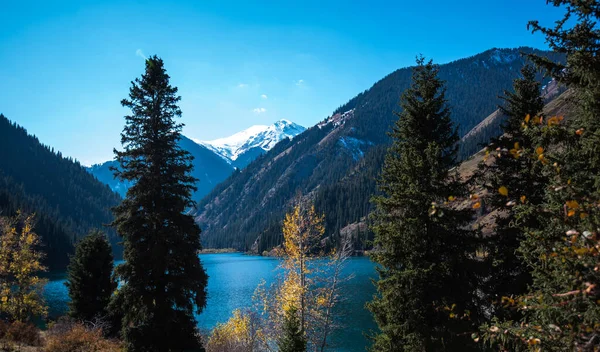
(209, 169)
(212, 165)
(67, 201)
(337, 161)
(254, 140)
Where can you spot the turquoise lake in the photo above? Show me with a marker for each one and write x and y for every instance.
(233, 277)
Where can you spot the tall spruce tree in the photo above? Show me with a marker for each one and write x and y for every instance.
(164, 281)
(425, 297)
(562, 309)
(89, 281)
(519, 177)
(525, 100)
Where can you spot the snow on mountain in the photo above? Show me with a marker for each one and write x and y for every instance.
(214, 160)
(354, 146)
(498, 57)
(258, 136)
(504, 55)
(337, 119)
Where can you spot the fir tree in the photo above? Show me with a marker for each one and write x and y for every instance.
(525, 100)
(562, 309)
(90, 281)
(164, 281)
(510, 178)
(425, 299)
(292, 337)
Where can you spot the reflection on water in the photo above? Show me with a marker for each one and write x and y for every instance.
(233, 277)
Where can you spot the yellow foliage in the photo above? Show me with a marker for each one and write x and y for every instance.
(573, 204)
(321, 300)
(503, 191)
(516, 151)
(309, 282)
(533, 341)
(302, 232)
(20, 287)
(555, 120)
(239, 333)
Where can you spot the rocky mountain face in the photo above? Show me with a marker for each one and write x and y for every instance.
(337, 161)
(243, 147)
(491, 126)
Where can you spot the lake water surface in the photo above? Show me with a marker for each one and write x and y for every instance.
(233, 277)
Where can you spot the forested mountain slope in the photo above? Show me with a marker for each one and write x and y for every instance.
(214, 161)
(67, 200)
(563, 105)
(491, 126)
(337, 160)
(209, 168)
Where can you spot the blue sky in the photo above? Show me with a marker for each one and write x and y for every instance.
(65, 65)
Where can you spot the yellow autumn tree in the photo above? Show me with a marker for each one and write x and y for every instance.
(20, 261)
(241, 333)
(302, 232)
(310, 281)
(309, 286)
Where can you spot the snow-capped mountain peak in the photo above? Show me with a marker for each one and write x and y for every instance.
(258, 136)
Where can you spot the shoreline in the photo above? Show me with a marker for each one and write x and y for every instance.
(219, 251)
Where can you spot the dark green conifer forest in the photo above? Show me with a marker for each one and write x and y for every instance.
(560, 230)
(518, 175)
(68, 201)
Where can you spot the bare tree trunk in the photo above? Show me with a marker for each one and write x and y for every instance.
(302, 283)
(332, 299)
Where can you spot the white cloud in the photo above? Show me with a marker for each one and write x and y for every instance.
(259, 110)
(242, 85)
(264, 96)
(299, 82)
(140, 53)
